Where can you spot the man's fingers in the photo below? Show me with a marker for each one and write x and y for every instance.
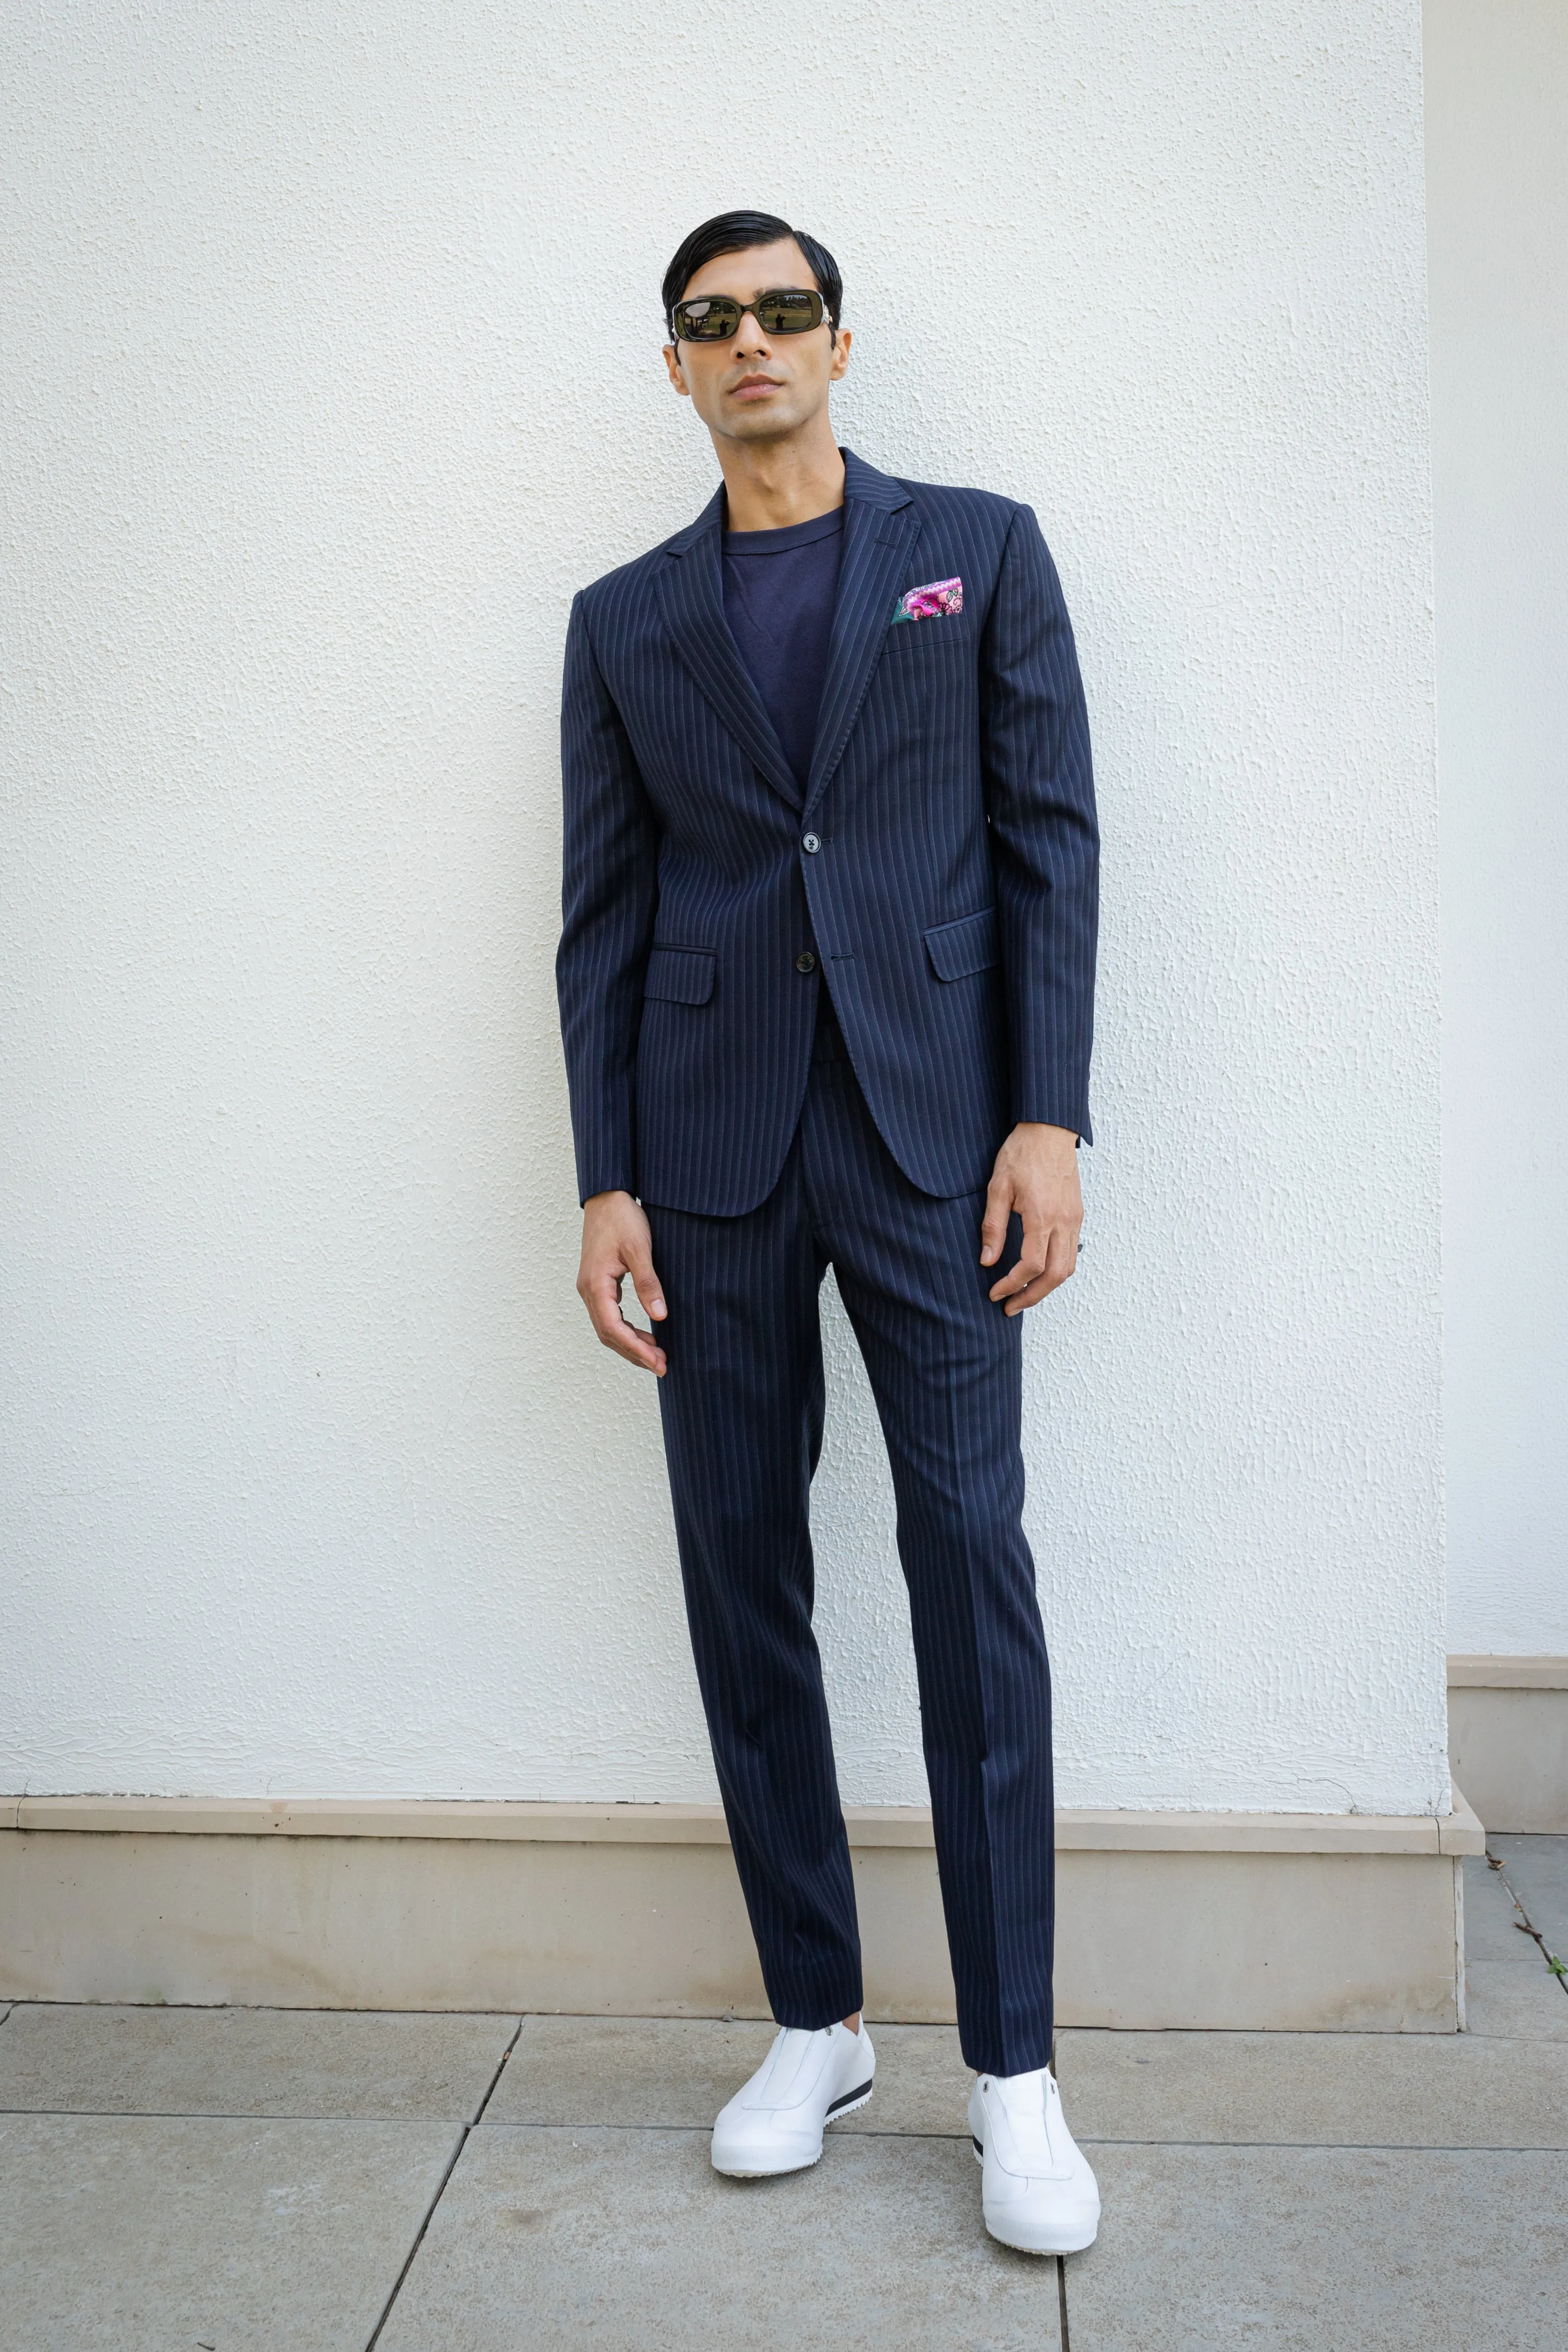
(624, 1340)
(1063, 1260)
(994, 1224)
(616, 1243)
(602, 1297)
(1032, 1263)
(646, 1283)
(1036, 1178)
(1045, 1262)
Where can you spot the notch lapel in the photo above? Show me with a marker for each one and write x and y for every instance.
(880, 527)
(691, 588)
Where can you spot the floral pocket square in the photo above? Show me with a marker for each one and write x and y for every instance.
(930, 603)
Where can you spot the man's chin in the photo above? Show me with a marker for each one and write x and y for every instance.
(766, 421)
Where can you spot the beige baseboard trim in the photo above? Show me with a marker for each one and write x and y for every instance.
(1508, 1739)
(1081, 1830)
(1478, 1671)
(1301, 1921)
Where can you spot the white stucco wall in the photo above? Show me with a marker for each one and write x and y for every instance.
(316, 1479)
(1497, 81)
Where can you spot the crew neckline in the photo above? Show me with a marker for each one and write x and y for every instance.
(793, 534)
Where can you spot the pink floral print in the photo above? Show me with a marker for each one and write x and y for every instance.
(930, 603)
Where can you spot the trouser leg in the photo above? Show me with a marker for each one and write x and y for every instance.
(944, 1365)
(742, 1408)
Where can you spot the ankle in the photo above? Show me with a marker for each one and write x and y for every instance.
(852, 2024)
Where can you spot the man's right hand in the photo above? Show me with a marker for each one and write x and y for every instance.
(616, 1243)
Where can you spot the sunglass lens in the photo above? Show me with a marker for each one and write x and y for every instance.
(708, 320)
(789, 314)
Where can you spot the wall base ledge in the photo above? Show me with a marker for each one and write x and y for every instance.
(1305, 1922)
(1078, 1830)
(1482, 1670)
(1508, 1739)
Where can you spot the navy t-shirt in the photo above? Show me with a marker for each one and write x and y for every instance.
(780, 588)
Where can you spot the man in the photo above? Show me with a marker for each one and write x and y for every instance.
(826, 979)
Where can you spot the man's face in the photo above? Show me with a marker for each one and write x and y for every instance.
(757, 387)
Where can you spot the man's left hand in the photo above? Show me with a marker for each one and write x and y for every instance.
(1035, 1178)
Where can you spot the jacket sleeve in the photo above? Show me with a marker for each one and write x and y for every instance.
(1045, 840)
(609, 894)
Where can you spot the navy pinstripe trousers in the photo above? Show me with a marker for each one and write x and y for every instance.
(742, 1402)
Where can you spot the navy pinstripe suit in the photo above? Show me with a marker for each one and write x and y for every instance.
(937, 872)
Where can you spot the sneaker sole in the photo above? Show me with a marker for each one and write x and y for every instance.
(847, 2106)
(850, 2102)
(1073, 2245)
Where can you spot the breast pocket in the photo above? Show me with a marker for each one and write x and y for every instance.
(969, 945)
(921, 702)
(938, 633)
(680, 975)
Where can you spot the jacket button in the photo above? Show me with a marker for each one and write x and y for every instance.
(810, 845)
(805, 960)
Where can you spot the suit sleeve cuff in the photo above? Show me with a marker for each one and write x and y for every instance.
(1049, 1112)
(603, 1180)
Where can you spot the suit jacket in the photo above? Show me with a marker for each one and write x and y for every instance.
(938, 875)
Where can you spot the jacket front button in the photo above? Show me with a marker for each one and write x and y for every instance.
(805, 960)
(810, 845)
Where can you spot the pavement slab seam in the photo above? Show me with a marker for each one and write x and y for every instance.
(1525, 2041)
(831, 2137)
(215, 2115)
(1085, 2139)
(463, 2139)
(269, 2010)
(489, 2091)
(1554, 1961)
(1342, 2146)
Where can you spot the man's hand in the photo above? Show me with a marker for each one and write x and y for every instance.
(1036, 1176)
(616, 1243)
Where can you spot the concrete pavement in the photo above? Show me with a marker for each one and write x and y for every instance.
(253, 2180)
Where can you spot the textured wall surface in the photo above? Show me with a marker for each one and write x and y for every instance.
(1497, 88)
(316, 1480)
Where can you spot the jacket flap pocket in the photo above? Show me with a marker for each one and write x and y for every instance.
(680, 975)
(958, 949)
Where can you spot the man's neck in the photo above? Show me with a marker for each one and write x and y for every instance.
(769, 484)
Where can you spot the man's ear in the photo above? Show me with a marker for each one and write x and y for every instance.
(841, 358)
(673, 362)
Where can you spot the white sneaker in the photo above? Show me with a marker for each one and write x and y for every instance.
(806, 2080)
(1038, 2193)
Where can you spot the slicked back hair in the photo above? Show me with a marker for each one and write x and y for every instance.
(736, 233)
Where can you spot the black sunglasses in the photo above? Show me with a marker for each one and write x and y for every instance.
(714, 318)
